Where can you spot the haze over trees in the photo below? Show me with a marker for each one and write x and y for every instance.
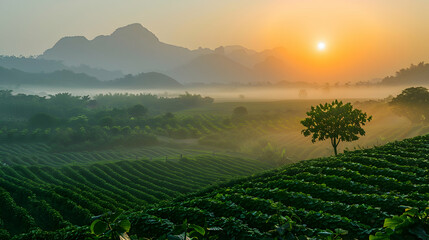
(413, 103)
(413, 75)
(126, 137)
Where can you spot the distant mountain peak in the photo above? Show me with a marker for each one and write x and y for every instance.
(135, 31)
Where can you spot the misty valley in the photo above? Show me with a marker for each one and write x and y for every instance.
(126, 137)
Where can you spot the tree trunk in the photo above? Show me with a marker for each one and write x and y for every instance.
(335, 149)
(334, 145)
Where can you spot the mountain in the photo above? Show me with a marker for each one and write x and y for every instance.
(213, 68)
(38, 65)
(132, 49)
(151, 80)
(62, 78)
(272, 69)
(69, 79)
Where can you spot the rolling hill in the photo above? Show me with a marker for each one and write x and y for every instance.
(354, 192)
(50, 198)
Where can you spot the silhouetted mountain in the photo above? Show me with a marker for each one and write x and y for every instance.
(414, 75)
(38, 65)
(150, 80)
(62, 78)
(132, 49)
(213, 68)
(67, 79)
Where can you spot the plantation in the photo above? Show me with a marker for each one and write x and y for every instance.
(51, 198)
(353, 192)
(31, 154)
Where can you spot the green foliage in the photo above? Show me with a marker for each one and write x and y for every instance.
(137, 110)
(412, 224)
(273, 155)
(110, 226)
(337, 122)
(345, 197)
(51, 198)
(413, 103)
(42, 120)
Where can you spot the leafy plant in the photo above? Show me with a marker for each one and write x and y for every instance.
(189, 231)
(411, 225)
(109, 225)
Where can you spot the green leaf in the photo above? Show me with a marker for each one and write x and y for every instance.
(197, 228)
(411, 211)
(125, 225)
(379, 237)
(393, 222)
(98, 227)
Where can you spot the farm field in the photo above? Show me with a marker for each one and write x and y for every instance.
(30, 154)
(355, 192)
(49, 198)
(211, 120)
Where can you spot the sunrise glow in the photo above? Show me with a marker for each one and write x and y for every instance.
(321, 46)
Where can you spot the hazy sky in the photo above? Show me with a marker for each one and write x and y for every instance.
(374, 36)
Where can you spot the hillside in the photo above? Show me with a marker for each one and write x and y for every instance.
(50, 198)
(355, 192)
(38, 65)
(70, 79)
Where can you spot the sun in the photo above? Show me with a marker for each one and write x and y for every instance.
(321, 46)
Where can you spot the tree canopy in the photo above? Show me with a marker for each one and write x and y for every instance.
(336, 121)
(413, 103)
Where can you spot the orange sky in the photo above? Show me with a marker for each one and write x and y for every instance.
(365, 39)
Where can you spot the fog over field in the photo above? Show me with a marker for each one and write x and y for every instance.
(214, 120)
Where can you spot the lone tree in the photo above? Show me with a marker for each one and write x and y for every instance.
(336, 121)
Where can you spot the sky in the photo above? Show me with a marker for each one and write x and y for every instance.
(364, 38)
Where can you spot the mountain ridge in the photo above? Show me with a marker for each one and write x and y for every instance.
(67, 78)
(134, 49)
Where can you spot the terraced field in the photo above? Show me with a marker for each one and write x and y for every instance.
(355, 192)
(40, 154)
(49, 198)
